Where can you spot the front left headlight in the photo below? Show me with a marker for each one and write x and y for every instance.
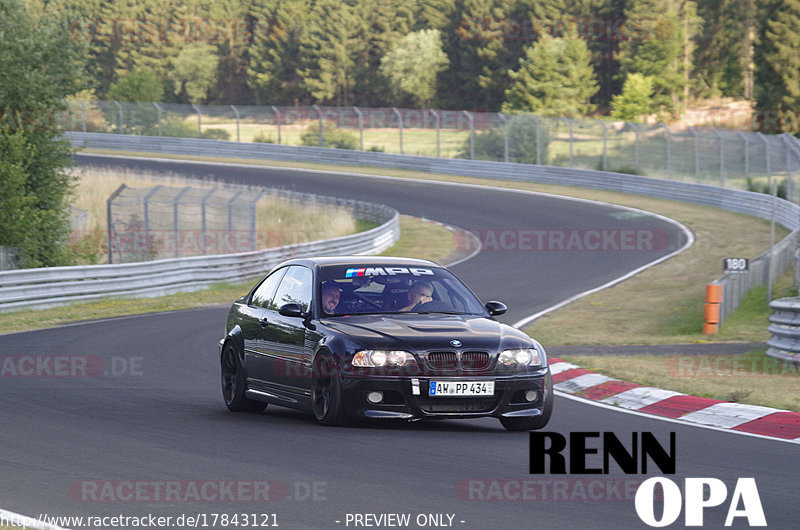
(378, 358)
(520, 357)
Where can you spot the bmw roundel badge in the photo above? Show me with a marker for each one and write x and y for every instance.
(455, 343)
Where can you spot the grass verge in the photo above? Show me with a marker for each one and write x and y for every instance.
(751, 378)
(418, 238)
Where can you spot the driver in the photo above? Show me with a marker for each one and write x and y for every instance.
(420, 293)
(330, 296)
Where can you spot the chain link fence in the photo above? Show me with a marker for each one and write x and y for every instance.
(724, 157)
(164, 222)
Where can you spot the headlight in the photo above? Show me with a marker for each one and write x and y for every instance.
(377, 358)
(520, 357)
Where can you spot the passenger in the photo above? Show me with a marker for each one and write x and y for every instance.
(420, 293)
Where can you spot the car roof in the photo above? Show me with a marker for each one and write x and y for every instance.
(325, 261)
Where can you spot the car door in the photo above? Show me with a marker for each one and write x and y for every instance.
(254, 318)
(284, 361)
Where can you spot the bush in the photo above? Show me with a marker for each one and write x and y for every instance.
(176, 126)
(522, 144)
(332, 137)
(263, 138)
(216, 134)
(763, 187)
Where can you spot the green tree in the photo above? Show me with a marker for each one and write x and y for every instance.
(660, 47)
(413, 64)
(721, 51)
(778, 68)
(635, 101)
(329, 49)
(194, 71)
(40, 66)
(275, 60)
(555, 78)
(141, 85)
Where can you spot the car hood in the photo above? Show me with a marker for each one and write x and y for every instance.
(417, 332)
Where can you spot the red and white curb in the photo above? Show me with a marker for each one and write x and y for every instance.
(763, 421)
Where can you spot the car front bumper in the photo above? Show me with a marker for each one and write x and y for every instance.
(407, 397)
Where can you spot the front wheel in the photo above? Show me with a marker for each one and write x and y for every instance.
(326, 392)
(233, 383)
(534, 423)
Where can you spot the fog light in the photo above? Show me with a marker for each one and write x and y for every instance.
(531, 395)
(375, 397)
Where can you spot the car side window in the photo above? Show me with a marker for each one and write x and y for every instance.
(262, 297)
(295, 287)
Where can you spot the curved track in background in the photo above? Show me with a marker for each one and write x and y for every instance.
(164, 420)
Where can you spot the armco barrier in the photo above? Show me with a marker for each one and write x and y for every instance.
(47, 287)
(759, 205)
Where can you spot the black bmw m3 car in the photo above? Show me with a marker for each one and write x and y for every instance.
(379, 337)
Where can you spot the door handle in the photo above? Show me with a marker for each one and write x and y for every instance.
(264, 322)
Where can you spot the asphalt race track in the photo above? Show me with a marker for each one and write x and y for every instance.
(149, 413)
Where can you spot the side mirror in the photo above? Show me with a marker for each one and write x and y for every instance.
(496, 308)
(292, 310)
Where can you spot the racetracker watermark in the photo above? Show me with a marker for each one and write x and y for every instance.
(236, 31)
(566, 240)
(70, 366)
(180, 242)
(597, 29)
(189, 491)
(548, 490)
(727, 366)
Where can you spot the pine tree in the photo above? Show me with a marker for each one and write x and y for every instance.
(659, 46)
(778, 67)
(555, 78)
(635, 101)
(720, 49)
(329, 49)
(275, 59)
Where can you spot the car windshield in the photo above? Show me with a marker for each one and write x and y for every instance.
(361, 289)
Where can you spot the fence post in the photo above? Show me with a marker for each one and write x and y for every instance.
(667, 145)
(321, 134)
(722, 175)
(236, 113)
(538, 141)
(400, 125)
(605, 145)
(505, 136)
(147, 218)
(471, 133)
(203, 218)
(230, 210)
(746, 154)
(278, 120)
(696, 154)
(83, 114)
(175, 204)
(569, 127)
(438, 130)
(158, 108)
(360, 127)
(635, 142)
(110, 221)
(121, 119)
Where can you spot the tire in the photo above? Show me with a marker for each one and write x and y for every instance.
(233, 383)
(534, 423)
(326, 392)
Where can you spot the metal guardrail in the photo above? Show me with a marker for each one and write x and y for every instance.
(48, 287)
(759, 205)
(785, 329)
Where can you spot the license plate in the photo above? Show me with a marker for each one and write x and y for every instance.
(461, 388)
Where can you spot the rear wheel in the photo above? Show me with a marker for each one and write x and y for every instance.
(326, 392)
(233, 383)
(533, 423)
